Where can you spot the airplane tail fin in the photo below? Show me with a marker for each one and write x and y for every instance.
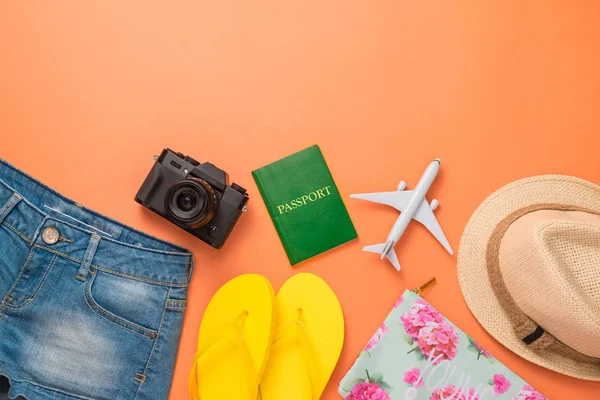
(391, 255)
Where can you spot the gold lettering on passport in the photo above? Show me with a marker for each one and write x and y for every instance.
(304, 200)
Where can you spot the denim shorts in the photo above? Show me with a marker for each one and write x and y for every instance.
(91, 309)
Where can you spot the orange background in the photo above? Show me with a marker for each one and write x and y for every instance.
(89, 91)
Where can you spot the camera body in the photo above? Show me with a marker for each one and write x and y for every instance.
(195, 196)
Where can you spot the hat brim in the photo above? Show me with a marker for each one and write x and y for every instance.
(473, 275)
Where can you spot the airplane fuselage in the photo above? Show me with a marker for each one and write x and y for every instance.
(413, 205)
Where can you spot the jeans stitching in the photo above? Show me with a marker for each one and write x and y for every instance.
(27, 262)
(84, 269)
(51, 390)
(138, 278)
(15, 230)
(38, 231)
(10, 204)
(114, 323)
(113, 319)
(38, 287)
(184, 252)
(162, 320)
(110, 271)
(141, 378)
(176, 305)
(58, 252)
(3, 305)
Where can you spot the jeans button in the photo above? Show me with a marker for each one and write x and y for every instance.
(50, 235)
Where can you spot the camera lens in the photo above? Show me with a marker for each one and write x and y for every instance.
(186, 201)
(191, 201)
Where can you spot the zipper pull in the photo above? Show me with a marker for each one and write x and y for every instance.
(426, 286)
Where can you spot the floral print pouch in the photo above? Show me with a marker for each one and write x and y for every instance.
(418, 354)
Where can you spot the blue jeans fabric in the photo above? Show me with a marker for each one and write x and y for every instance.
(90, 308)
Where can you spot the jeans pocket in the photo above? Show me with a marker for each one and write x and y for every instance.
(133, 305)
(31, 279)
(14, 252)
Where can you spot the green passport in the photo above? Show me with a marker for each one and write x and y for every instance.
(305, 204)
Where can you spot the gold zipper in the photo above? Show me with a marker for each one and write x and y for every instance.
(426, 286)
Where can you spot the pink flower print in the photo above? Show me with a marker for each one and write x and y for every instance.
(368, 391)
(500, 384)
(399, 302)
(448, 393)
(529, 393)
(412, 377)
(471, 395)
(382, 330)
(441, 338)
(418, 316)
(482, 351)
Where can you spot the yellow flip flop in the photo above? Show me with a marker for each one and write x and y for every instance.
(235, 340)
(308, 340)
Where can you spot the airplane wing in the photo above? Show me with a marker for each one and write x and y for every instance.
(397, 199)
(425, 216)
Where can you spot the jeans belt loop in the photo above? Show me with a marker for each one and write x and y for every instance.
(84, 269)
(9, 205)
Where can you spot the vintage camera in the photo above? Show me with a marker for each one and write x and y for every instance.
(194, 196)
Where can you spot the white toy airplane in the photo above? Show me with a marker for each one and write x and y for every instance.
(412, 204)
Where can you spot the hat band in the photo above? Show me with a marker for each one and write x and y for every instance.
(533, 336)
(526, 329)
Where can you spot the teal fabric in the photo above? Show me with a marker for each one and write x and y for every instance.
(419, 354)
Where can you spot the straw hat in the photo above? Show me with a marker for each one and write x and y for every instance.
(529, 269)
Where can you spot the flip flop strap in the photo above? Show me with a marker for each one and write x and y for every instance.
(230, 331)
(300, 333)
